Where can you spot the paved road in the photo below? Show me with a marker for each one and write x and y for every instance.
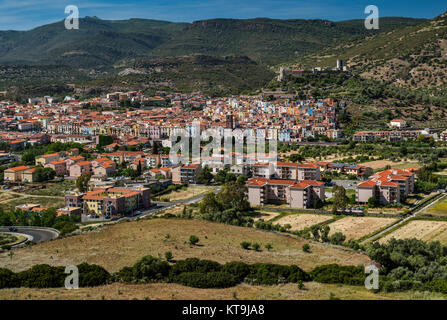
(157, 207)
(165, 205)
(39, 235)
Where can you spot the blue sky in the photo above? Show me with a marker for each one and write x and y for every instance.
(27, 14)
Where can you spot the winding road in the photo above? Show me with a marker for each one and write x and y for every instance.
(38, 234)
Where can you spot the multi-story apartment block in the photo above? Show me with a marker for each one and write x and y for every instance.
(301, 194)
(110, 201)
(287, 170)
(186, 173)
(387, 186)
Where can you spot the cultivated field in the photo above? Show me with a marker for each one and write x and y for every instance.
(171, 291)
(121, 244)
(381, 164)
(438, 209)
(357, 227)
(301, 221)
(421, 229)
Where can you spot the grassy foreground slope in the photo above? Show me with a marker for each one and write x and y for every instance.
(122, 244)
(168, 291)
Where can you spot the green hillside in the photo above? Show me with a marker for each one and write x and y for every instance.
(107, 51)
(414, 56)
(101, 43)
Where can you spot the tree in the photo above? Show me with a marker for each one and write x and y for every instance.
(337, 238)
(193, 240)
(82, 182)
(297, 157)
(372, 202)
(205, 176)
(139, 168)
(234, 196)
(44, 174)
(256, 246)
(104, 140)
(340, 198)
(209, 204)
(268, 246)
(315, 230)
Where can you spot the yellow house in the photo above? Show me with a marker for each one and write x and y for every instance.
(15, 174)
(47, 158)
(29, 175)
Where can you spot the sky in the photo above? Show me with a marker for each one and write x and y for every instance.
(28, 14)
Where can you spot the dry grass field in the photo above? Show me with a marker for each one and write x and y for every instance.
(421, 229)
(163, 291)
(122, 244)
(357, 227)
(301, 221)
(190, 192)
(380, 164)
(9, 200)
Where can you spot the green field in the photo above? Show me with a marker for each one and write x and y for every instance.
(438, 209)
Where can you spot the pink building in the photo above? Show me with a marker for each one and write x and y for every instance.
(59, 166)
(299, 195)
(387, 186)
(80, 168)
(287, 170)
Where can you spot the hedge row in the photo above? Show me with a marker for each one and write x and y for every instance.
(198, 273)
(190, 272)
(46, 276)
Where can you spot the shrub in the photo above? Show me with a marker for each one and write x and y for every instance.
(270, 274)
(92, 275)
(207, 280)
(42, 276)
(150, 268)
(437, 286)
(168, 255)
(8, 279)
(238, 269)
(65, 227)
(306, 247)
(193, 240)
(333, 273)
(337, 238)
(245, 245)
(125, 275)
(256, 246)
(194, 265)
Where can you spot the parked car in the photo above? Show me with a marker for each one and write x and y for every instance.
(12, 229)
